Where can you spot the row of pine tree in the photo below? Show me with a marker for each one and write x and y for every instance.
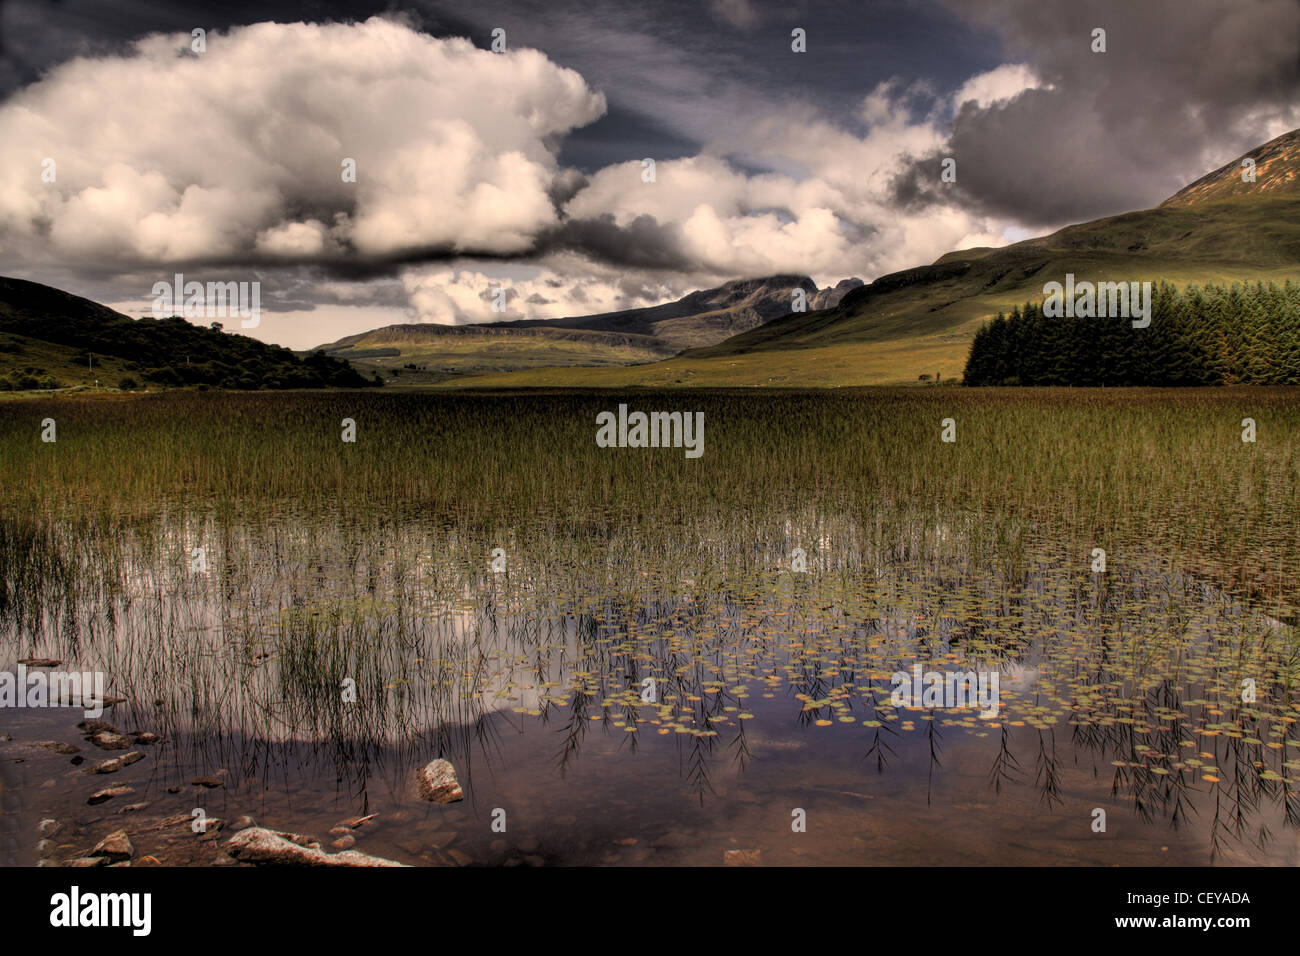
(1201, 335)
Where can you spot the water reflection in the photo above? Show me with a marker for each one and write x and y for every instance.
(678, 684)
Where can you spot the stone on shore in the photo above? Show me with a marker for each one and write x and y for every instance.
(262, 846)
(116, 846)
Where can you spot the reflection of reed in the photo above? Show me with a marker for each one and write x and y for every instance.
(245, 664)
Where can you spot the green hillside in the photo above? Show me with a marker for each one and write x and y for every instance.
(921, 321)
(52, 339)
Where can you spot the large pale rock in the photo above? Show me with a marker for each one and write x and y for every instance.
(115, 846)
(438, 783)
(259, 845)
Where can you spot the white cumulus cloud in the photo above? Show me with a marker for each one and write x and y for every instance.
(165, 155)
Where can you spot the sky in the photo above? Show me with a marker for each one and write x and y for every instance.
(130, 154)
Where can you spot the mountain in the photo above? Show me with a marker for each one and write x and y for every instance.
(50, 338)
(831, 296)
(1277, 171)
(428, 352)
(919, 322)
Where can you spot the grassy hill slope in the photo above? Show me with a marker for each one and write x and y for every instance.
(920, 321)
(50, 338)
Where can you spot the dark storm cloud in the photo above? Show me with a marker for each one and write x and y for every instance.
(1184, 86)
(643, 243)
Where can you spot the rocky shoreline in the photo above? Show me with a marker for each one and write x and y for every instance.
(195, 839)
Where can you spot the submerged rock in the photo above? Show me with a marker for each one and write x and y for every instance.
(262, 846)
(353, 822)
(673, 840)
(438, 783)
(92, 727)
(116, 764)
(56, 746)
(107, 740)
(108, 793)
(742, 858)
(441, 841)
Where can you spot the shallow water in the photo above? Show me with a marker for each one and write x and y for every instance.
(770, 691)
